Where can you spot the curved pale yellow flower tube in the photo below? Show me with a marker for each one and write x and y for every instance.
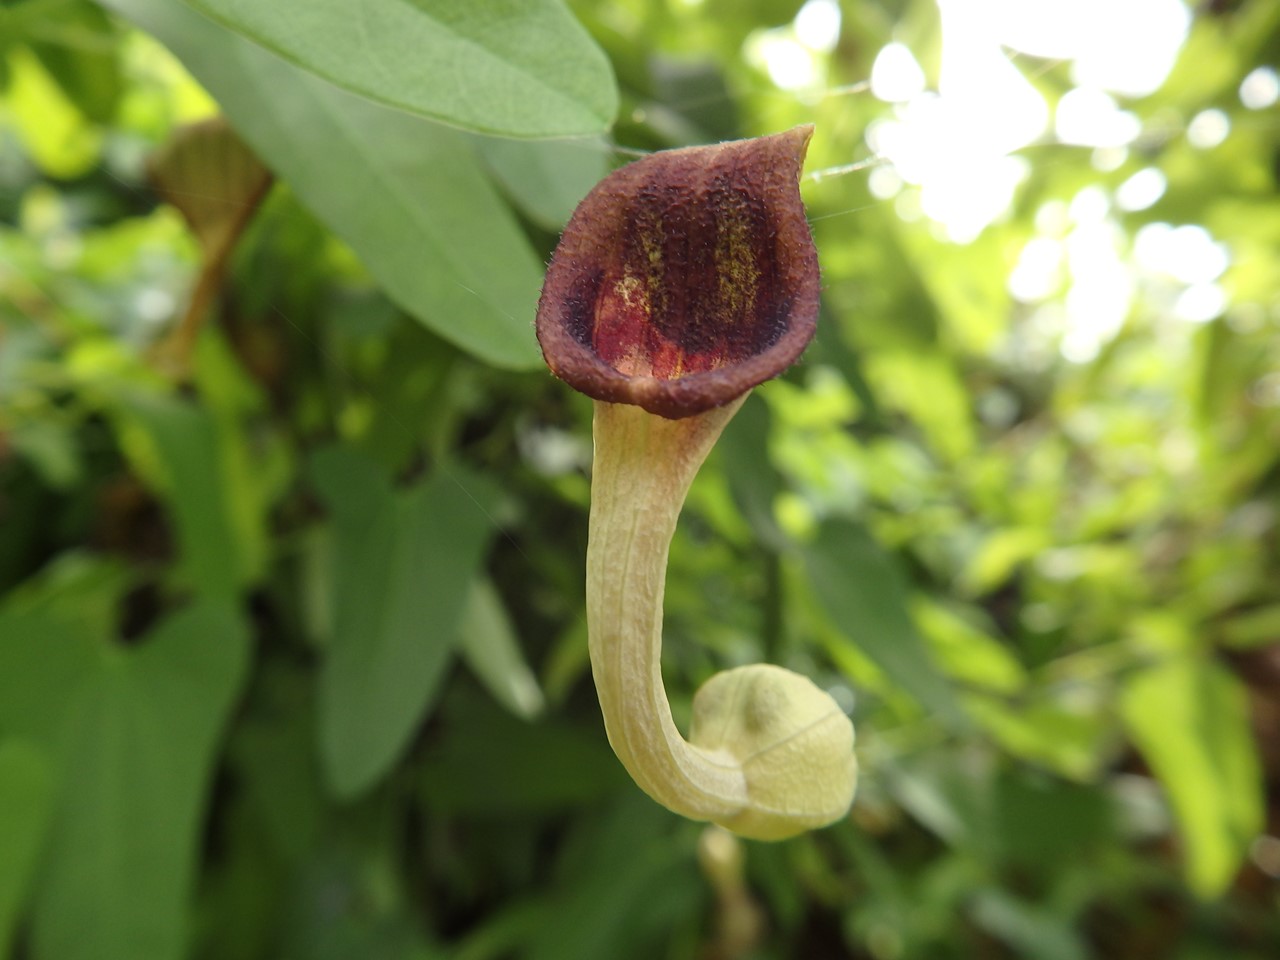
(770, 755)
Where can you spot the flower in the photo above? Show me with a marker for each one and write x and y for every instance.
(686, 278)
(681, 282)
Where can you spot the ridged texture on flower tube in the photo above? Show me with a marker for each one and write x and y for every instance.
(685, 278)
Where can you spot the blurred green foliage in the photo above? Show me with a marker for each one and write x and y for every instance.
(292, 531)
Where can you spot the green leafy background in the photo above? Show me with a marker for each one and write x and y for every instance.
(292, 651)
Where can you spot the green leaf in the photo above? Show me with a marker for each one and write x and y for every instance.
(926, 387)
(1190, 718)
(175, 445)
(25, 788)
(407, 195)
(50, 447)
(967, 652)
(133, 733)
(519, 68)
(1033, 931)
(864, 595)
(123, 857)
(1041, 820)
(486, 763)
(1253, 628)
(546, 179)
(79, 48)
(611, 863)
(55, 134)
(50, 629)
(951, 794)
(489, 645)
(626, 860)
(1067, 738)
(402, 564)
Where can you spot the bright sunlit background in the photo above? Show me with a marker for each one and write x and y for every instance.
(952, 154)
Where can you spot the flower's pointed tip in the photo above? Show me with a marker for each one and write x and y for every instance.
(685, 278)
(799, 135)
(788, 146)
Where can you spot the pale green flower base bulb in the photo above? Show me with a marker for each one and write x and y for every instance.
(770, 755)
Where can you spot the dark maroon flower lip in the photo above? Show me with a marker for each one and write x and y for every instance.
(686, 278)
